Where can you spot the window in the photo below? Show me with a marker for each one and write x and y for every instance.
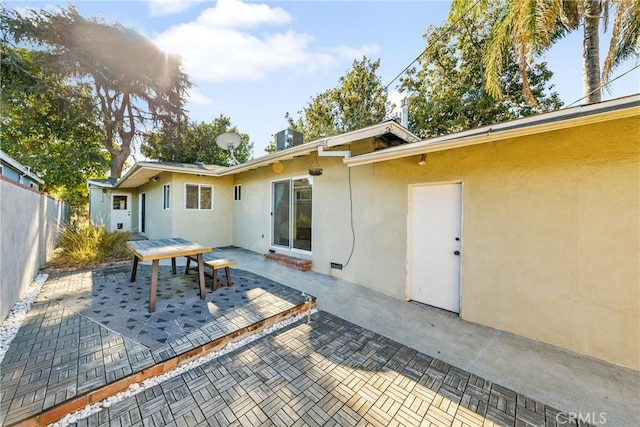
(119, 202)
(198, 196)
(237, 193)
(165, 197)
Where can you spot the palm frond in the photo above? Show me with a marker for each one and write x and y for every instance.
(625, 36)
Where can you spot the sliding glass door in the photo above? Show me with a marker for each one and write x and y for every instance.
(292, 213)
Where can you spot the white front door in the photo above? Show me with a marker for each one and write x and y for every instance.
(434, 245)
(120, 212)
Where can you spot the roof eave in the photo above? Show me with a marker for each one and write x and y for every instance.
(527, 126)
(161, 168)
(24, 170)
(371, 131)
(278, 156)
(328, 142)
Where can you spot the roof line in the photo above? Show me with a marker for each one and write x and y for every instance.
(561, 119)
(25, 170)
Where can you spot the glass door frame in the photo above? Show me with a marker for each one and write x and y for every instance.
(291, 212)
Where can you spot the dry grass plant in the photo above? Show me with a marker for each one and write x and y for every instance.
(86, 245)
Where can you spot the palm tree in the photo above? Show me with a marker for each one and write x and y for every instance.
(532, 27)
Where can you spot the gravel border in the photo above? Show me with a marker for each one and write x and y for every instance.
(136, 388)
(10, 326)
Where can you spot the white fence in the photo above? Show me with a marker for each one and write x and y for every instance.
(29, 225)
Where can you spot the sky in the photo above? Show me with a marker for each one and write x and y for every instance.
(254, 61)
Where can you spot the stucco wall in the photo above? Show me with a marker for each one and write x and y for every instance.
(551, 238)
(550, 241)
(158, 222)
(207, 227)
(252, 219)
(99, 206)
(29, 224)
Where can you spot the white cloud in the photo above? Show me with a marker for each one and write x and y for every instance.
(215, 51)
(198, 98)
(236, 14)
(170, 7)
(355, 53)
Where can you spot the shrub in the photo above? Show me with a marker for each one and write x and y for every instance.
(85, 245)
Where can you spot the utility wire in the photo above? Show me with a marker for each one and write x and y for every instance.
(603, 86)
(426, 49)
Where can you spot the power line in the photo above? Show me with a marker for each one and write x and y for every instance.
(603, 86)
(426, 49)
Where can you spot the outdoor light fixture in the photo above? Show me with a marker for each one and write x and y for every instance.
(156, 178)
(423, 160)
(277, 167)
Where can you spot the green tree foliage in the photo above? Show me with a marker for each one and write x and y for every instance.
(195, 143)
(358, 101)
(446, 90)
(526, 29)
(134, 84)
(49, 125)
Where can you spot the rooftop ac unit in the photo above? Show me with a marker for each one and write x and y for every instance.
(288, 138)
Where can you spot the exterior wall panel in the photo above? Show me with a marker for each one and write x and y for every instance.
(550, 240)
(207, 227)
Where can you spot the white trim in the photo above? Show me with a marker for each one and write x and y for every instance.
(410, 234)
(199, 185)
(166, 201)
(557, 120)
(278, 156)
(20, 168)
(379, 129)
(290, 248)
(141, 196)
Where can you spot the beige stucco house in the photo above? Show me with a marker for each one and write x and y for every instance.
(530, 226)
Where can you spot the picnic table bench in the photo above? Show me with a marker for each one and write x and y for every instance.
(157, 249)
(215, 264)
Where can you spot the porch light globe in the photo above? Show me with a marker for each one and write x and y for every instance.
(277, 167)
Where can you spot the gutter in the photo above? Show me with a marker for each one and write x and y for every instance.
(287, 154)
(23, 170)
(508, 130)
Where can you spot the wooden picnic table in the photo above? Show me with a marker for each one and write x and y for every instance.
(156, 249)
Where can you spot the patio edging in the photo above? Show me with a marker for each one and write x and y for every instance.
(57, 412)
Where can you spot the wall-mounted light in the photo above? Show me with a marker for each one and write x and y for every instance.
(156, 178)
(277, 167)
(423, 160)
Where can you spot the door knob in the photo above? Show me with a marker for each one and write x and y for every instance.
(456, 252)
